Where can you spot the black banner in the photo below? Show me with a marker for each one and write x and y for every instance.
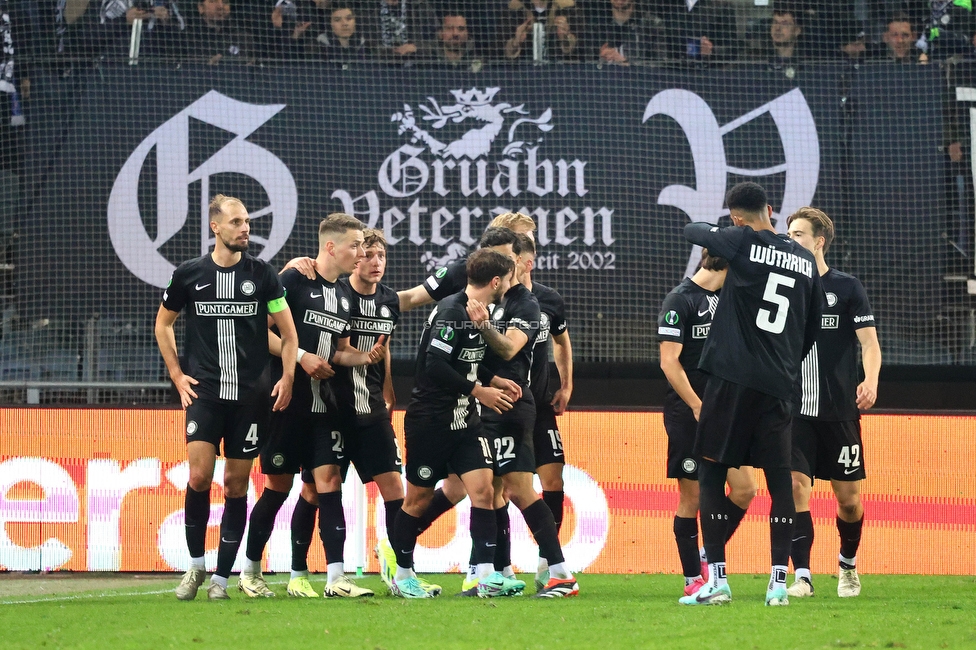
(610, 162)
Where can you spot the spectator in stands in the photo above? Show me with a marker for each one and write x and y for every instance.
(404, 29)
(343, 43)
(214, 36)
(621, 32)
(786, 47)
(559, 21)
(162, 26)
(899, 40)
(703, 31)
(852, 48)
(295, 24)
(454, 44)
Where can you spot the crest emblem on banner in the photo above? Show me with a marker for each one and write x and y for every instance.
(140, 251)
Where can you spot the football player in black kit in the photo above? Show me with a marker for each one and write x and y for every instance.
(307, 435)
(682, 327)
(228, 296)
(826, 417)
(547, 442)
(765, 323)
(510, 332)
(443, 430)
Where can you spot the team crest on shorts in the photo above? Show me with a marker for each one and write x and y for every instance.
(424, 472)
(247, 287)
(278, 460)
(689, 465)
(191, 427)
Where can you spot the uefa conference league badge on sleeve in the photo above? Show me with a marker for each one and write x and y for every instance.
(443, 338)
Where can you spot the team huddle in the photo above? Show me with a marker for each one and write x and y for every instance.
(765, 376)
(760, 348)
(482, 414)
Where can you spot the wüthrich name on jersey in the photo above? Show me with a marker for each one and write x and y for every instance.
(782, 259)
(226, 309)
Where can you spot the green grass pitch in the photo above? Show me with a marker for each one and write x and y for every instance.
(612, 611)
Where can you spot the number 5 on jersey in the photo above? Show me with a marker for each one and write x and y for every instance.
(777, 323)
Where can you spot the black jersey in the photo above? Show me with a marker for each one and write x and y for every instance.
(827, 388)
(769, 314)
(321, 311)
(552, 322)
(226, 322)
(685, 318)
(448, 358)
(520, 310)
(359, 390)
(447, 280)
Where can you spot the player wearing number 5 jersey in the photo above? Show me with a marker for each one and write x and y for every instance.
(826, 420)
(228, 296)
(764, 325)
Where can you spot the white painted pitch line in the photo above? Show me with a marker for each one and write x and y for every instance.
(102, 594)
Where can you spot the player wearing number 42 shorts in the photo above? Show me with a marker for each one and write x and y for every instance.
(826, 417)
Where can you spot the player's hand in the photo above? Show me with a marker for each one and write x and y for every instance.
(522, 31)
(282, 394)
(405, 49)
(316, 367)
(494, 398)
(378, 352)
(866, 395)
(611, 54)
(478, 313)
(561, 400)
(184, 384)
(304, 265)
(696, 411)
(511, 388)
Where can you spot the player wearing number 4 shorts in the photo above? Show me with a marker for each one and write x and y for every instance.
(228, 296)
(826, 418)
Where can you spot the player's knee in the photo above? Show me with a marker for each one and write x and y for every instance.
(849, 505)
(482, 495)
(200, 481)
(688, 504)
(235, 487)
(454, 490)
(742, 494)
(801, 492)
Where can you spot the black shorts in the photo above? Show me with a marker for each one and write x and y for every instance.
(372, 447)
(681, 427)
(547, 443)
(433, 452)
(742, 426)
(242, 426)
(289, 448)
(510, 435)
(828, 450)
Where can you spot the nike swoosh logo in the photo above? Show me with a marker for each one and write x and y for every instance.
(502, 463)
(699, 599)
(227, 541)
(315, 295)
(202, 286)
(471, 336)
(247, 451)
(557, 453)
(339, 457)
(851, 471)
(491, 545)
(340, 529)
(797, 539)
(702, 313)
